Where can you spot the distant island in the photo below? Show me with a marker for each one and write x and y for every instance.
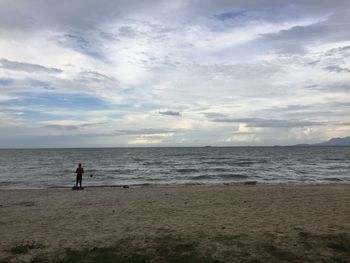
(332, 142)
(336, 142)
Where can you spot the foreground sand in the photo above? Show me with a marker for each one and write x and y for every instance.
(235, 223)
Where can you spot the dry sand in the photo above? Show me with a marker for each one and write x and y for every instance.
(228, 223)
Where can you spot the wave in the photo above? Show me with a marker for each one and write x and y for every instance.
(219, 169)
(233, 162)
(41, 168)
(302, 172)
(187, 170)
(215, 162)
(219, 176)
(160, 163)
(138, 159)
(333, 179)
(118, 171)
(6, 183)
(243, 163)
(152, 163)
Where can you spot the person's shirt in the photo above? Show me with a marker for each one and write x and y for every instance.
(79, 171)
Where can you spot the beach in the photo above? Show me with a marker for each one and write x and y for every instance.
(220, 223)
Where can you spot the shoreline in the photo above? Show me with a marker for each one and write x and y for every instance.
(242, 183)
(304, 221)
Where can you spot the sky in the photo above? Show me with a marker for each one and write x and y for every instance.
(111, 73)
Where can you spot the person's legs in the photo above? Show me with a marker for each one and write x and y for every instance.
(76, 181)
(80, 179)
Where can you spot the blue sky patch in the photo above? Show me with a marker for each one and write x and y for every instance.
(42, 84)
(62, 101)
(5, 81)
(82, 45)
(230, 15)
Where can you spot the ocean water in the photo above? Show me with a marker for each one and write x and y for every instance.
(43, 168)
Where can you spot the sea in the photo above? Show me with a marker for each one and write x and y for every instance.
(46, 168)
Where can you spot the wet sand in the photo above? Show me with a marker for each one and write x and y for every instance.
(226, 223)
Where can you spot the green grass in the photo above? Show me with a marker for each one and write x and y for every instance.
(305, 247)
(276, 254)
(336, 244)
(230, 240)
(172, 248)
(340, 243)
(163, 249)
(24, 247)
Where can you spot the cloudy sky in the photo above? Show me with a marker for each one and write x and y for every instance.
(90, 73)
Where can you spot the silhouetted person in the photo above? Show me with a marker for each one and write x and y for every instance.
(79, 173)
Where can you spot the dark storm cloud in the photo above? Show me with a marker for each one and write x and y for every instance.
(27, 67)
(270, 123)
(170, 113)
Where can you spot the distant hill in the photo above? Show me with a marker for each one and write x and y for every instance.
(332, 142)
(335, 142)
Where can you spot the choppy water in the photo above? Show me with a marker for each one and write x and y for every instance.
(41, 168)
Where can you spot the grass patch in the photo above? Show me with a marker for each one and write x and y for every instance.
(326, 248)
(24, 247)
(340, 243)
(176, 249)
(277, 254)
(120, 252)
(230, 240)
(37, 259)
(162, 249)
(305, 247)
(172, 248)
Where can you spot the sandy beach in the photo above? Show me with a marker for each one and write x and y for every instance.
(227, 223)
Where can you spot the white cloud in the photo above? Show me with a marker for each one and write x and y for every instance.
(150, 138)
(176, 66)
(7, 97)
(239, 138)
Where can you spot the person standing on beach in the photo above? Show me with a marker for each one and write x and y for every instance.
(79, 173)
